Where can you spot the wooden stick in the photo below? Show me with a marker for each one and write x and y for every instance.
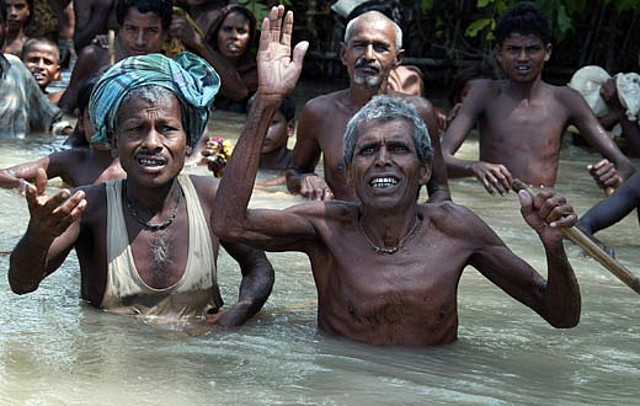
(591, 248)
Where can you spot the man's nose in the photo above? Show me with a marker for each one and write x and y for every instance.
(152, 140)
(140, 38)
(368, 52)
(523, 55)
(382, 156)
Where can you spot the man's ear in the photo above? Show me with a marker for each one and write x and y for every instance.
(399, 58)
(343, 51)
(547, 49)
(425, 173)
(496, 53)
(58, 76)
(113, 141)
(291, 127)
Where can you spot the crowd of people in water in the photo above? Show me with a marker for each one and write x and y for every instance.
(146, 75)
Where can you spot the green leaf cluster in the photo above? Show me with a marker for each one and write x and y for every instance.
(259, 9)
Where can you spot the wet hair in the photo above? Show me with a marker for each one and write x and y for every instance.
(163, 8)
(524, 18)
(212, 35)
(288, 108)
(383, 108)
(378, 15)
(3, 11)
(154, 94)
(31, 41)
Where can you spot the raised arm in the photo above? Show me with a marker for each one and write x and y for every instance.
(557, 299)
(91, 19)
(52, 231)
(278, 73)
(232, 84)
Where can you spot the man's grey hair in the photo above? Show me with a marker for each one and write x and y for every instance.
(377, 15)
(384, 108)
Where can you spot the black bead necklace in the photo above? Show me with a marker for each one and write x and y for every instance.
(147, 223)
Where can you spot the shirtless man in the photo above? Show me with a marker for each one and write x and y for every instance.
(77, 166)
(41, 56)
(142, 27)
(92, 17)
(144, 244)
(522, 119)
(371, 48)
(16, 14)
(387, 268)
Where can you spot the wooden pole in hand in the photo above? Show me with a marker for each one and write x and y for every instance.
(591, 248)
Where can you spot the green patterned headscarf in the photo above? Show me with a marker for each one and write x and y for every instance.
(189, 77)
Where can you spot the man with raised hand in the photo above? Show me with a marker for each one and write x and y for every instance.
(386, 268)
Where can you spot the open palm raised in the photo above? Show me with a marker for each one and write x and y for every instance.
(278, 68)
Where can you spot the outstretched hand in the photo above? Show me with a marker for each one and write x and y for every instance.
(278, 68)
(51, 216)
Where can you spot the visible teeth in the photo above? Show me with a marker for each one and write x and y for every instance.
(383, 182)
(150, 162)
(522, 68)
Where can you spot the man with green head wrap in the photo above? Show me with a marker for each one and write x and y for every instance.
(144, 244)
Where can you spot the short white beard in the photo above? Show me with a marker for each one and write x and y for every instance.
(370, 81)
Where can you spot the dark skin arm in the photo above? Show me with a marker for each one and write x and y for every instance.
(91, 19)
(54, 165)
(89, 62)
(255, 288)
(494, 177)
(557, 300)
(438, 184)
(597, 137)
(612, 209)
(52, 232)
(278, 74)
(305, 156)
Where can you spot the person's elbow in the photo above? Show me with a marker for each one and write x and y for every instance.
(227, 228)
(569, 321)
(19, 286)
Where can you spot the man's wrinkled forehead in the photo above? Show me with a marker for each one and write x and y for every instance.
(379, 26)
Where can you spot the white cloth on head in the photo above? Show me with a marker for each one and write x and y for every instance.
(588, 81)
(628, 88)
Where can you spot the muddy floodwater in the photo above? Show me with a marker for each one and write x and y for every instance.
(55, 350)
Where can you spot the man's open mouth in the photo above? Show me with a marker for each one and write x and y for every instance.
(383, 182)
(151, 162)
